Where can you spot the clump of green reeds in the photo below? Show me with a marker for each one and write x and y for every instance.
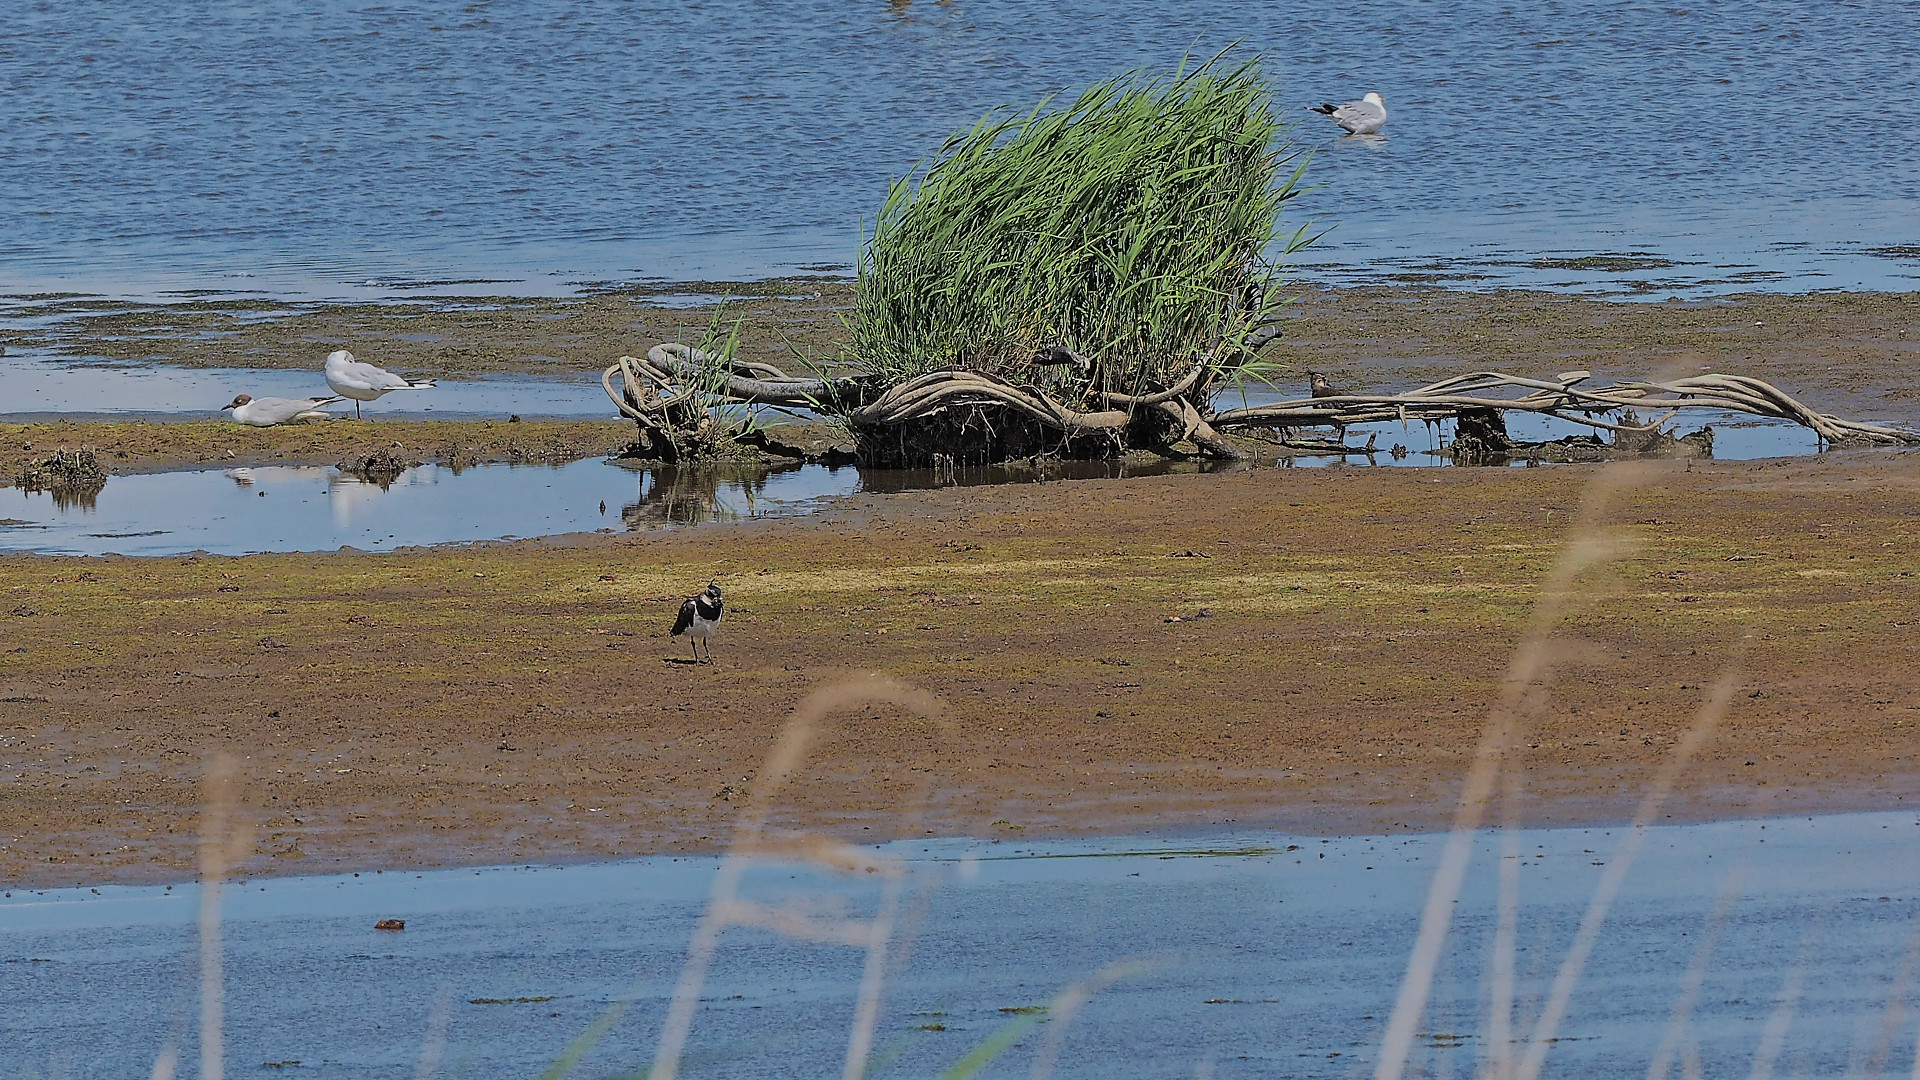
(1133, 226)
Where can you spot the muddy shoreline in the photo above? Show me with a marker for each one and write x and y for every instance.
(1853, 353)
(1312, 650)
(1309, 650)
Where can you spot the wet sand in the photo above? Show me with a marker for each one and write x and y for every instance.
(133, 446)
(1340, 637)
(1848, 352)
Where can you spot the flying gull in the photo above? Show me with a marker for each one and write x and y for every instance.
(364, 382)
(1364, 117)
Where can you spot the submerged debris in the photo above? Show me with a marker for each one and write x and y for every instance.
(73, 477)
(380, 466)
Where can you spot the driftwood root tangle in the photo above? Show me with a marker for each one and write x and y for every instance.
(668, 391)
(1565, 399)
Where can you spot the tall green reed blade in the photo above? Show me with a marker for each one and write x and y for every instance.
(1129, 225)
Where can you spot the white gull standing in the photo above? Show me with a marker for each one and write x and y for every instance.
(1364, 117)
(268, 411)
(364, 382)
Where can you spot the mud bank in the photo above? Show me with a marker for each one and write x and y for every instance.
(1314, 651)
(1855, 353)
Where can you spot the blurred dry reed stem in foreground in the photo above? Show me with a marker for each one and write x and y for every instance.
(752, 843)
(1520, 692)
(1524, 695)
(1677, 1035)
(222, 843)
(1068, 1002)
(1774, 1035)
(1704, 724)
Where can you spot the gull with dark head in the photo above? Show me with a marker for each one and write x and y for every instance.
(700, 616)
(363, 382)
(1364, 117)
(268, 411)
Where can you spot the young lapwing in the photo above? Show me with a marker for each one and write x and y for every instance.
(700, 615)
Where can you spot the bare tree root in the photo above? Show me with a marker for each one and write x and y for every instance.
(1563, 398)
(671, 391)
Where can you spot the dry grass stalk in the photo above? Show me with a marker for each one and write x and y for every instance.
(1067, 1003)
(751, 844)
(1586, 548)
(1681, 1015)
(223, 842)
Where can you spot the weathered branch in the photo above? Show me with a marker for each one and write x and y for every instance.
(1445, 400)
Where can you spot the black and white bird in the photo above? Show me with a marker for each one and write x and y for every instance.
(1364, 117)
(700, 616)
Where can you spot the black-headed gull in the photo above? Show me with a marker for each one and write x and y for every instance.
(268, 411)
(364, 382)
(1364, 117)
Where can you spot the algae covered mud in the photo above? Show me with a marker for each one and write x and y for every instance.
(1304, 649)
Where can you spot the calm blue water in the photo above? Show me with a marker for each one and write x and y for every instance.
(1258, 956)
(341, 148)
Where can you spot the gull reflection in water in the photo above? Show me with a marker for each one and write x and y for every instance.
(241, 476)
(347, 492)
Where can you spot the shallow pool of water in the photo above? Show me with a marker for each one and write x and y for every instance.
(320, 508)
(1249, 955)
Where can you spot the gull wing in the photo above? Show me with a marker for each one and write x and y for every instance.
(1360, 117)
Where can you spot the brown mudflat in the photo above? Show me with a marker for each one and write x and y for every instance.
(1842, 352)
(1341, 639)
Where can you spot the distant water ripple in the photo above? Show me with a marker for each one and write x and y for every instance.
(351, 148)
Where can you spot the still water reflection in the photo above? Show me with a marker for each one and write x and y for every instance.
(319, 507)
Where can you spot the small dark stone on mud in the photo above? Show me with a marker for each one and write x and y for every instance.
(272, 643)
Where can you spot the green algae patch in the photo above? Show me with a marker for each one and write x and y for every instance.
(496, 701)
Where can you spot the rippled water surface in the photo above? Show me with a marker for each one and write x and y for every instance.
(350, 148)
(1254, 955)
